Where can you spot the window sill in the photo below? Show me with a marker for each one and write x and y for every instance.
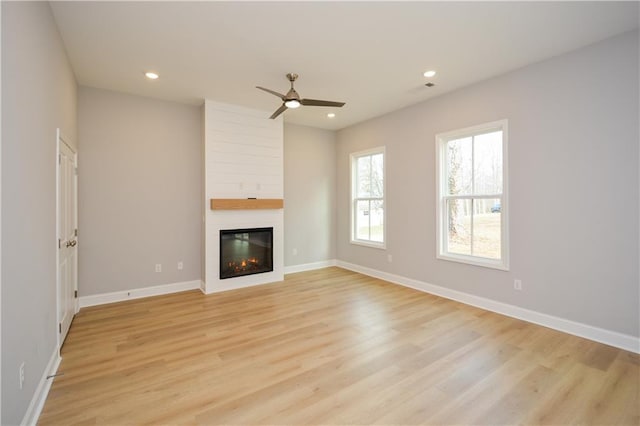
(475, 261)
(372, 244)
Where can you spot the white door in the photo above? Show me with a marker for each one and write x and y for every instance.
(67, 237)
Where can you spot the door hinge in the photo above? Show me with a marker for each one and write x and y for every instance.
(59, 243)
(75, 294)
(75, 232)
(60, 327)
(59, 158)
(75, 171)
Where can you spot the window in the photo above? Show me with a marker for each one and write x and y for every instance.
(472, 204)
(367, 198)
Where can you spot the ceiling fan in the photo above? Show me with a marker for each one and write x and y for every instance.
(292, 99)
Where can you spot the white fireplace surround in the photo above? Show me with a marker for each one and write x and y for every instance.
(243, 158)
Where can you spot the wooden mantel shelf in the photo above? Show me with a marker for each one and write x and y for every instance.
(246, 203)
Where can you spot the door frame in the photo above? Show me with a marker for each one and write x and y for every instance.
(60, 139)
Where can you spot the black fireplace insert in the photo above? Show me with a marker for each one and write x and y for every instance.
(245, 252)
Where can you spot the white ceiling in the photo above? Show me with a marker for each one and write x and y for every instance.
(370, 55)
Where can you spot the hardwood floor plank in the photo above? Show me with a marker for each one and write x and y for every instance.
(331, 347)
(618, 398)
(569, 400)
(520, 398)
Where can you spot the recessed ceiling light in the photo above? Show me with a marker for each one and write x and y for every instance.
(429, 73)
(151, 75)
(331, 115)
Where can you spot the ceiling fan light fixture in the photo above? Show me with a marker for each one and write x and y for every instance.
(429, 73)
(292, 103)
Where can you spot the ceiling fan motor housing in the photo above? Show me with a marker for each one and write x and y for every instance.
(292, 94)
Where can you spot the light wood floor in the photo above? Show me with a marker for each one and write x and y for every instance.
(331, 347)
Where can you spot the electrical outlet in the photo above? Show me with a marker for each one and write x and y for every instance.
(158, 267)
(21, 375)
(294, 251)
(389, 258)
(517, 284)
(180, 266)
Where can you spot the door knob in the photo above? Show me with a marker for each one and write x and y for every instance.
(73, 243)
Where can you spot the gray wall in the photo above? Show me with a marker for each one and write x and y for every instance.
(573, 197)
(139, 191)
(309, 194)
(38, 96)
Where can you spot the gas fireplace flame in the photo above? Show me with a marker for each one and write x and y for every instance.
(244, 264)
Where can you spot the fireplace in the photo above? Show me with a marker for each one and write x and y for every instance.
(245, 252)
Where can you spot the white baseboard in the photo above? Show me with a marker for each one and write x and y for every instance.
(309, 266)
(40, 396)
(612, 338)
(138, 293)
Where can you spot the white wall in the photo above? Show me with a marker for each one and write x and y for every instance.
(243, 157)
(38, 96)
(139, 191)
(573, 167)
(309, 195)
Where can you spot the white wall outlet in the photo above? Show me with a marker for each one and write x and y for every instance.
(180, 266)
(517, 285)
(389, 258)
(21, 375)
(294, 251)
(158, 267)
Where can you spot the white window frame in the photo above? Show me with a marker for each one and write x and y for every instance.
(353, 158)
(442, 195)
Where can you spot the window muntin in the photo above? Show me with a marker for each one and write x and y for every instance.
(367, 198)
(472, 220)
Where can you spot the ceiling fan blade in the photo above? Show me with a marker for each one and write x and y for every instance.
(271, 91)
(316, 102)
(279, 111)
